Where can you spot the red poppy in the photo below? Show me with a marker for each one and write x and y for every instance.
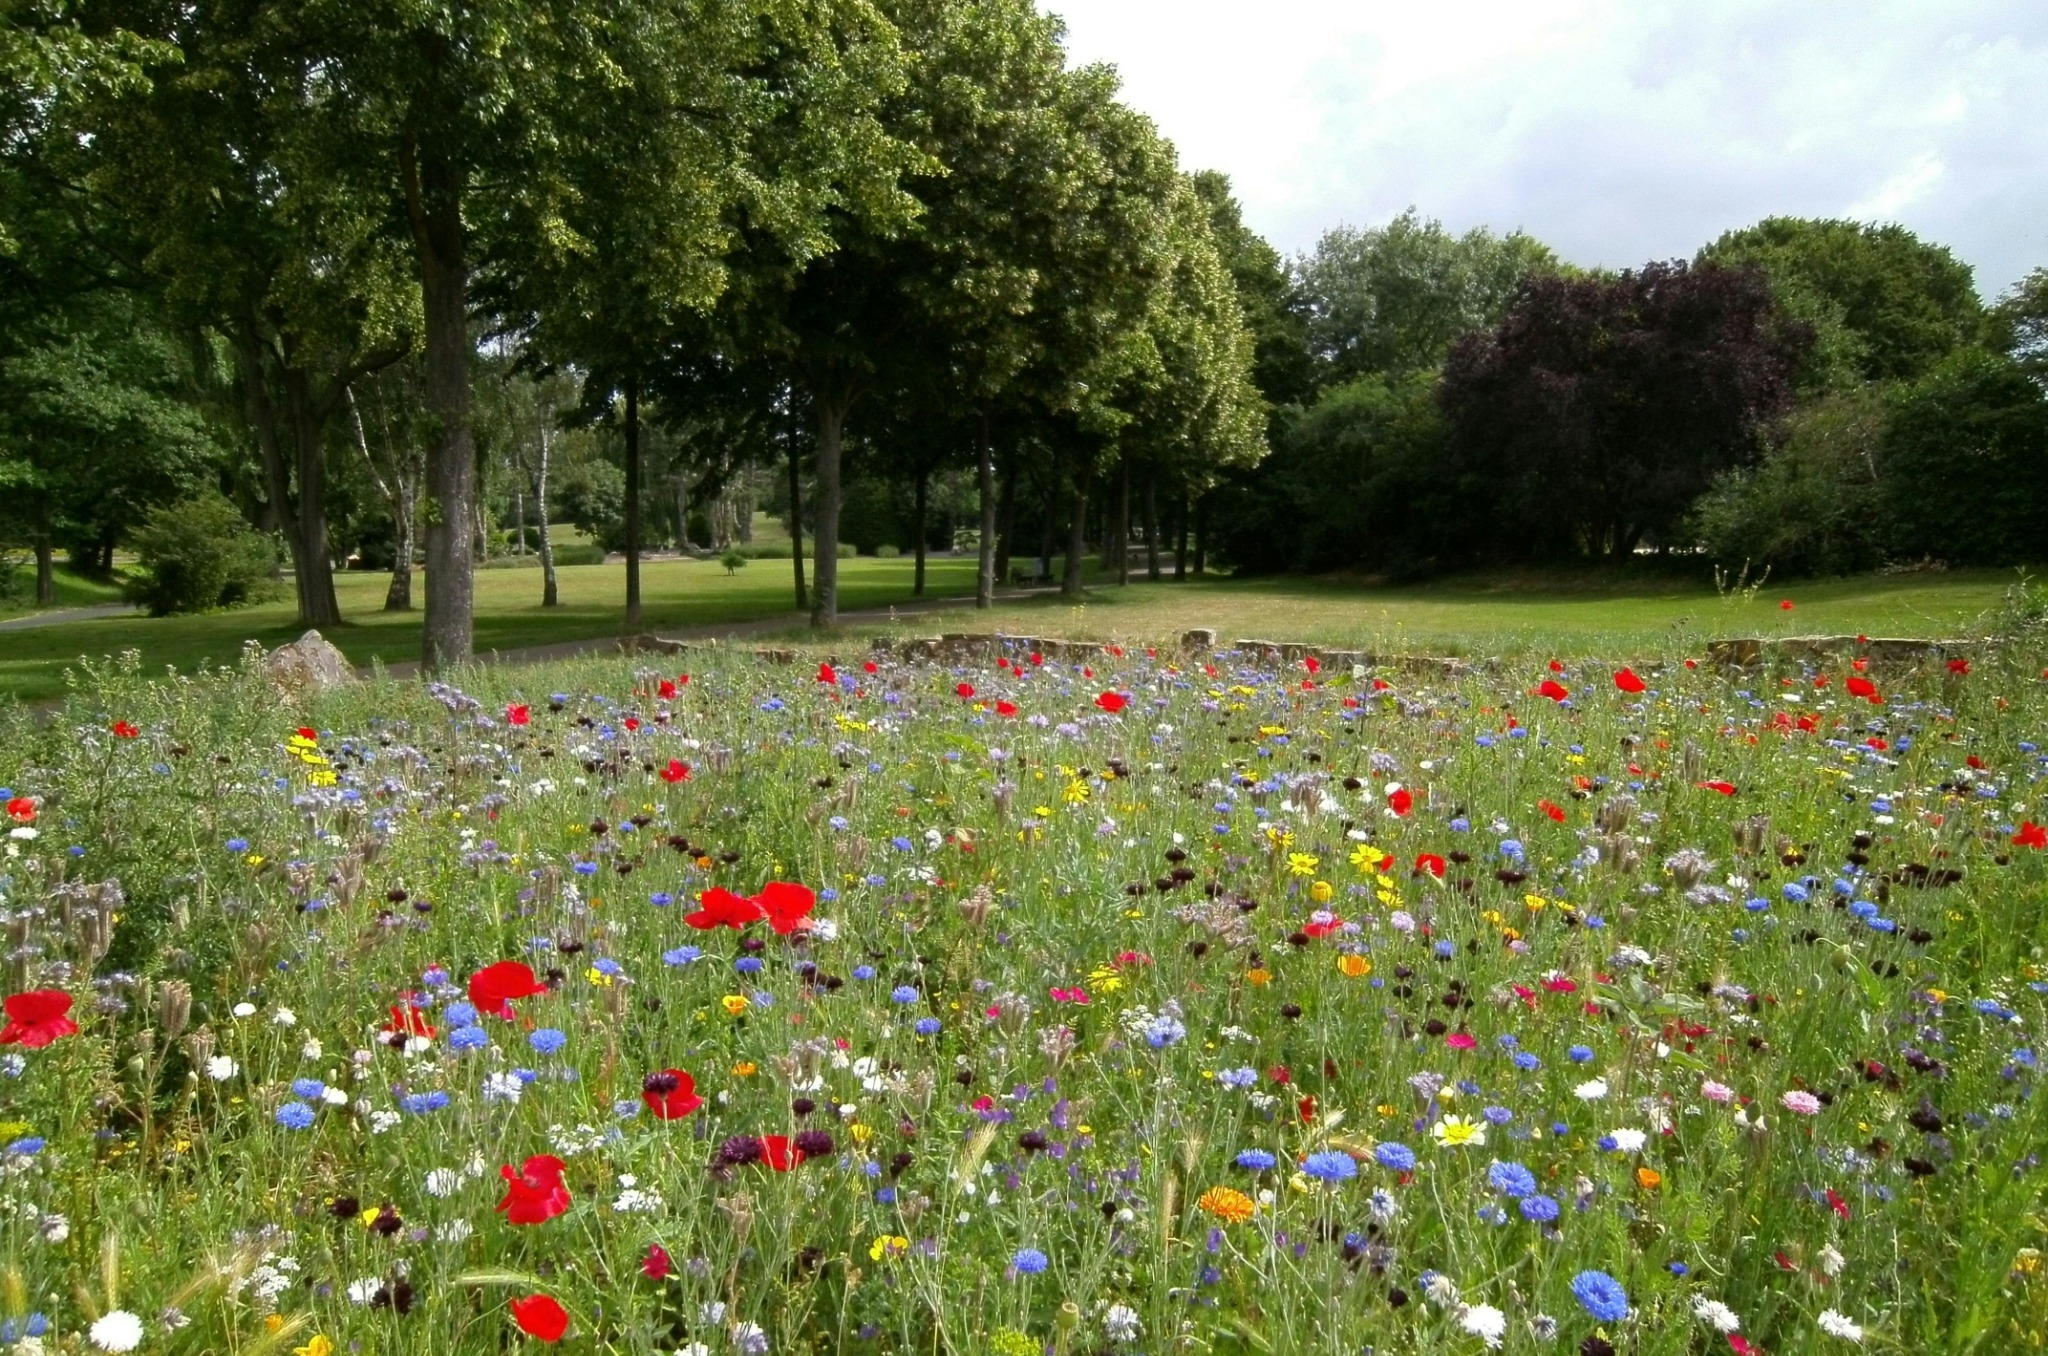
(666, 691)
(1556, 812)
(123, 730)
(494, 987)
(870, 667)
(410, 1021)
(1557, 666)
(1785, 605)
(540, 1317)
(1037, 658)
(1312, 664)
(1430, 862)
(964, 691)
(826, 675)
(670, 1094)
(1323, 929)
(308, 732)
(1006, 708)
(1400, 800)
(2030, 835)
(1958, 666)
(1112, 702)
(21, 810)
(656, 1266)
(676, 771)
(1554, 690)
(785, 905)
(720, 907)
(632, 722)
(533, 1192)
(1087, 672)
(1627, 681)
(37, 1017)
(1724, 788)
(778, 1153)
(517, 713)
(1742, 1346)
(1864, 688)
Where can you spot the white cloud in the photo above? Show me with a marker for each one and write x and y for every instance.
(1617, 130)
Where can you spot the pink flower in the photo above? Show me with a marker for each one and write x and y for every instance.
(1800, 1103)
(1460, 1040)
(1717, 1092)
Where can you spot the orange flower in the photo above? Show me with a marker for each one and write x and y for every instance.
(1354, 966)
(1649, 1179)
(1226, 1204)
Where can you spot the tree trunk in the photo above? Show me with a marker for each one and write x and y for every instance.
(46, 571)
(923, 487)
(1006, 524)
(1152, 526)
(550, 588)
(985, 566)
(1123, 526)
(1077, 536)
(796, 510)
(318, 607)
(682, 513)
(278, 514)
(743, 506)
(398, 598)
(434, 206)
(832, 408)
(1201, 537)
(519, 520)
(633, 504)
(1180, 550)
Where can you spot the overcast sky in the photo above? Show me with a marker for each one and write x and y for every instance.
(1617, 131)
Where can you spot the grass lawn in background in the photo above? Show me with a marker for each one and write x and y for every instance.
(73, 590)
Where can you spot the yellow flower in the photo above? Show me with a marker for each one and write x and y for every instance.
(1366, 857)
(1354, 966)
(1076, 792)
(1302, 863)
(595, 975)
(861, 1133)
(734, 1004)
(746, 1068)
(1225, 1203)
(319, 1346)
(1321, 892)
(1259, 977)
(887, 1245)
(1454, 1132)
(1105, 979)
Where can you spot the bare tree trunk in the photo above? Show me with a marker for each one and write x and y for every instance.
(46, 571)
(923, 485)
(401, 493)
(682, 512)
(633, 504)
(550, 588)
(985, 476)
(1123, 525)
(1152, 526)
(832, 409)
(1180, 550)
(743, 506)
(1006, 519)
(796, 509)
(1077, 536)
(519, 519)
(1201, 537)
(434, 206)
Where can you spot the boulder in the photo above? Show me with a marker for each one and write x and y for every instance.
(308, 665)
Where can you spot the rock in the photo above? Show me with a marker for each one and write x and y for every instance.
(308, 665)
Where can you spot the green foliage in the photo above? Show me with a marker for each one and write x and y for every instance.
(196, 555)
(1813, 505)
(1393, 299)
(868, 518)
(1885, 304)
(734, 561)
(1964, 464)
(2019, 323)
(592, 495)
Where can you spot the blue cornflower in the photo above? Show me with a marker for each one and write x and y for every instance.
(1497, 1115)
(747, 965)
(459, 1014)
(468, 1038)
(25, 1146)
(1330, 1165)
(1238, 1078)
(238, 845)
(1602, 1296)
(1030, 1261)
(1512, 1179)
(1793, 892)
(903, 993)
(900, 843)
(1396, 1157)
(547, 1040)
(1527, 1061)
(295, 1116)
(420, 1103)
(661, 899)
(1258, 1160)
(682, 955)
(926, 1026)
(863, 972)
(1580, 1053)
(586, 868)
(1538, 1209)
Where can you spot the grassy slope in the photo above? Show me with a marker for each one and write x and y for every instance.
(1569, 613)
(73, 590)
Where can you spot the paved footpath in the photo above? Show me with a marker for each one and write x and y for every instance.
(69, 614)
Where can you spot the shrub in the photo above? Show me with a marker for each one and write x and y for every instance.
(733, 560)
(887, 551)
(198, 554)
(1813, 505)
(1964, 464)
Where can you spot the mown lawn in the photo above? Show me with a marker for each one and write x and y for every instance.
(73, 590)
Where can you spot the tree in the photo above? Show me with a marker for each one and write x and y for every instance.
(1276, 311)
(1963, 463)
(1600, 408)
(1394, 298)
(1885, 305)
(2019, 323)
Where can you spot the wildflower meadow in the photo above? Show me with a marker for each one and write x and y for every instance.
(1135, 1002)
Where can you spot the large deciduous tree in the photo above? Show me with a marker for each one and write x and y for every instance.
(1600, 408)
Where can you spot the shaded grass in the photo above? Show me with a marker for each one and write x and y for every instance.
(73, 590)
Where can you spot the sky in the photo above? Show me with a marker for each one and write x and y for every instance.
(1616, 131)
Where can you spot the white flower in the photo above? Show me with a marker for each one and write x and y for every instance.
(1485, 1322)
(1592, 1090)
(117, 1331)
(1120, 1323)
(220, 1068)
(456, 1231)
(1715, 1314)
(284, 1017)
(1840, 1325)
(1831, 1261)
(365, 1290)
(1629, 1141)
(711, 1312)
(693, 1349)
(245, 1009)
(312, 1049)
(443, 1182)
(53, 1228)
(383, 1121)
